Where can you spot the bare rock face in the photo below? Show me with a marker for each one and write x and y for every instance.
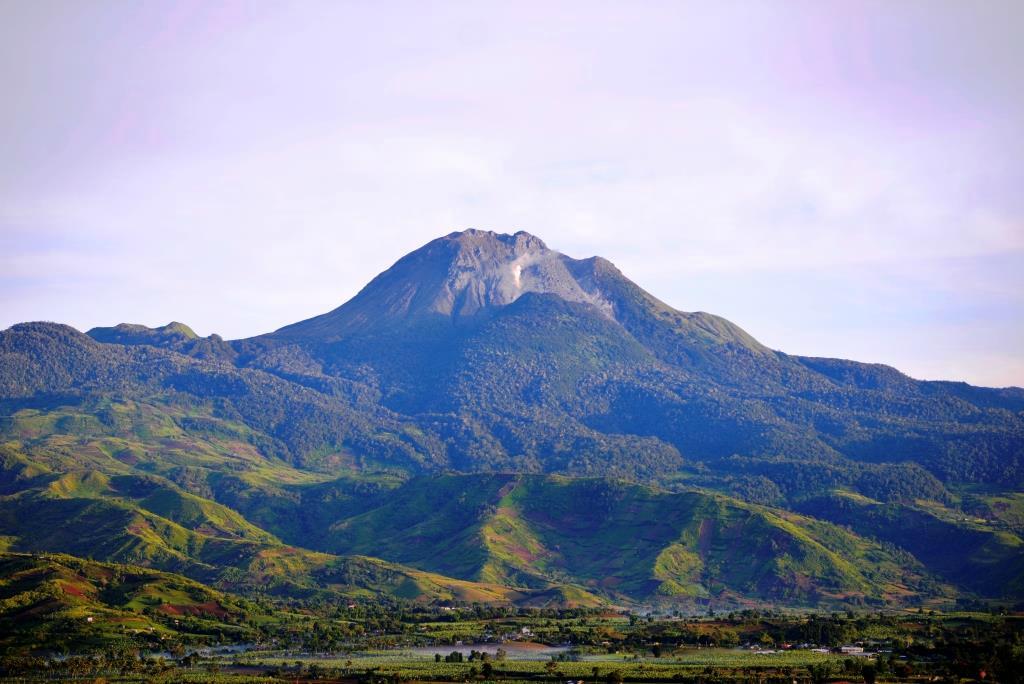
(457, 276)
(489, 269)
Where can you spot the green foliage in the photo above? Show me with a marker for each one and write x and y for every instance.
(623, 540)
(73, 604)
(970, 553)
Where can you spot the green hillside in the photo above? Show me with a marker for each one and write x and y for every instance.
(146, 520)
(184, 490)
(64, 603)
(626, 541)
(970, 552)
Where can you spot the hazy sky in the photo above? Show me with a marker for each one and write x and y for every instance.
(838, 178)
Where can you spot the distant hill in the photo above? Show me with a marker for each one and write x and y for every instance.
(60, 603)
(627, 541)
(306, 455)
(145, 520)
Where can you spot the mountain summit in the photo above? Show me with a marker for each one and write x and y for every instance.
(457, 276)
(464, 275)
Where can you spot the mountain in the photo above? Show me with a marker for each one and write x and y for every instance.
(453, 279)
(289, 455)
(511, 356)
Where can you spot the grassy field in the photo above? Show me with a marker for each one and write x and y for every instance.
(711, 665)
(414, 666)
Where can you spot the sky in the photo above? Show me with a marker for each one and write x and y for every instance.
(840, 179)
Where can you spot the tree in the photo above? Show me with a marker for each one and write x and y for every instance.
(820, 672)
(729, 637)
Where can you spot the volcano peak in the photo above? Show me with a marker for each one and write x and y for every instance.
(457, 276)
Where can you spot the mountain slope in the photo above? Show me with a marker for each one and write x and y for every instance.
(71, 604)
(512, 355)
(70, 487)
(624, 540)
(965, 550)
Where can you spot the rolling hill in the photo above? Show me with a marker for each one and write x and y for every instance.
(67, 603)
(627, 541)
(148, 522)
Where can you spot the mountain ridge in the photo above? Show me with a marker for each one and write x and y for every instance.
(465, 273)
